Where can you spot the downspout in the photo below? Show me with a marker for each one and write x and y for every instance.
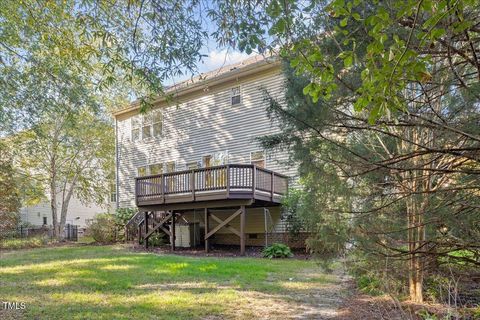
(117, 196)
(265, 210)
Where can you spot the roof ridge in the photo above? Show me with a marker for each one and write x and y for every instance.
(218, 71)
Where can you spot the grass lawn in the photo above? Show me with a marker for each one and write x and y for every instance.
(21, 243)
(111, 282)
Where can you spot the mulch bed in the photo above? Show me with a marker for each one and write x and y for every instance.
(217, 251)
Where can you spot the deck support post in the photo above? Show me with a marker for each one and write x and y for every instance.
(242, 230)
(172, 233)
(145, 239)
(139, 233)
(207, 247)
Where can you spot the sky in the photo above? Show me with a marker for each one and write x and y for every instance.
(216, 58)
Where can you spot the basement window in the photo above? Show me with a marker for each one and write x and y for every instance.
(235, 96)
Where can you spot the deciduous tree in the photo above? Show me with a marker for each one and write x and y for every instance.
(69, 154)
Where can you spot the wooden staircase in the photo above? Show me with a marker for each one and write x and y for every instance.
(144, 224)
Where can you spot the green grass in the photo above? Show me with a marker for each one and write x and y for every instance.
(110, 282)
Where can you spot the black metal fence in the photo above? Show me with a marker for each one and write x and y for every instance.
(70, 232)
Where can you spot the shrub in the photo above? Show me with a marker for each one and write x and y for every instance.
(104, 228)
(437, 287)
(374, 275)
(277, 250)
(369, 284)
(157, 239)
(124, 215)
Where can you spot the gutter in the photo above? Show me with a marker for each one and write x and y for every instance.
(264, 64)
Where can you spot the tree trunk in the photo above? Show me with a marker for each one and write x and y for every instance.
(416, 231)
(415, 263)
(65, 203)
(53, 199)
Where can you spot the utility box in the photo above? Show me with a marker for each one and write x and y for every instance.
(187, 235)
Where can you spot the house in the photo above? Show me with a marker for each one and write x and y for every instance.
(78, 213)
(193, 159)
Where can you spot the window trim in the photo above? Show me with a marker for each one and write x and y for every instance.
(166, 163)
(203, 160)
(146, 171)
(144, 122)
(163, 165)
(113, 193)
(239, 95)
(212, 158)
(149, 168)
(195, 162)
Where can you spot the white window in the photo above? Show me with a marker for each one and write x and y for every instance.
(170, 166)
(136, 124)
(193, 165)
(157, 123)
(113, 197)
(207, 161)
(258, 158)
(147, 126)
(141, 171)
(156, 168)
(113, 192)
(146, 131)
(235, 96)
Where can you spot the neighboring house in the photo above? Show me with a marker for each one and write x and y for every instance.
(195, 158)
(78, 213)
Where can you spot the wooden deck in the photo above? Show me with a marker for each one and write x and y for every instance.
(226, 182)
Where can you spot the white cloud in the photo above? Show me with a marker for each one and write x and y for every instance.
(219, 58)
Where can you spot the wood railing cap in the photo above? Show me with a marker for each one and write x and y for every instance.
(230, 165)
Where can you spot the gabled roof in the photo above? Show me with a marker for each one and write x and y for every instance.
(251, 65)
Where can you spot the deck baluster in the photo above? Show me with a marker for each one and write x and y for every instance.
(230, 181)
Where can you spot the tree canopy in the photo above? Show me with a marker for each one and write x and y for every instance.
(78, 45)
(383, 101)
(388, 141)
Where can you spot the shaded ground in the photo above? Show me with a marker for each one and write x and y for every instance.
(358, 306)
(215, 251)
(111, 282)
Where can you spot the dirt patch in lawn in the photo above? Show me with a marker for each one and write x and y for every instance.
(301, 299)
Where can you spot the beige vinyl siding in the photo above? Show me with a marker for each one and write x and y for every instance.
(204, 123)
(254, 222)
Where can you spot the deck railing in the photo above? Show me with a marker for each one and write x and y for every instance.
(229, 178)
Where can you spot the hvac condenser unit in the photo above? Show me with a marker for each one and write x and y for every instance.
(187, 235)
